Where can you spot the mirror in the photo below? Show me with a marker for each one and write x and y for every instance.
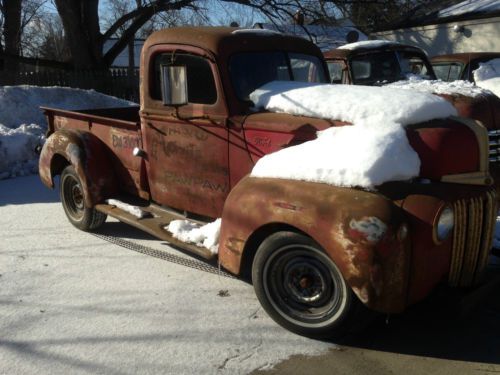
(174, 85)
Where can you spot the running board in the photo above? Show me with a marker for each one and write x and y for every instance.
(153, 223)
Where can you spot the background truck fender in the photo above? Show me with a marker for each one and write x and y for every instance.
(359, 230)
(88, 156)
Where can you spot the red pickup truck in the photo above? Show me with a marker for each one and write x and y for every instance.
(187, 152)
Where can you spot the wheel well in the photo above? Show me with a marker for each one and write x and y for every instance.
(254, 241)
(57, 164)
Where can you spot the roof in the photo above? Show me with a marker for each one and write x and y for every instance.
(447, 11)
(226, 40)
(325, 37)
(361, 48)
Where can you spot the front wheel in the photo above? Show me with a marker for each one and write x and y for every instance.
(301, 288)
(72, 198)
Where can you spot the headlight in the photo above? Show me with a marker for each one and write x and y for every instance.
(445, 223)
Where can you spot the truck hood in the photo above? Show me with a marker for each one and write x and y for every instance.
(440, 144)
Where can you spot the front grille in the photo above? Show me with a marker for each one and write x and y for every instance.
(494, 143)
(472, 237)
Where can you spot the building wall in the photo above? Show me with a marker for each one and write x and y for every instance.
(477, 36)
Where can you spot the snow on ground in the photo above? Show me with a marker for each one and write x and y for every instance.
(206, 235)
(72, 303)
(368, 44)
(23, 125)
(372, 151)
(487, 76)
(464, 88)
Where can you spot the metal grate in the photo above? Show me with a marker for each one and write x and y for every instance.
(472, 238)
(494, 144)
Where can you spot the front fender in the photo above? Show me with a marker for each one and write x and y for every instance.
(87, 154)
(357, 229)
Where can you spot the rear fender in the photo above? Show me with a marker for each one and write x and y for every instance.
(357, 229)
(87, 154)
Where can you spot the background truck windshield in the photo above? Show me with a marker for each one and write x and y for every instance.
(250, 70)
(389, 66)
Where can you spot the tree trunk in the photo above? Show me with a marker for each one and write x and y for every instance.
(81, 24)
(12, 31)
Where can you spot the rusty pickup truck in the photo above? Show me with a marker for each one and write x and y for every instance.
(187, 153)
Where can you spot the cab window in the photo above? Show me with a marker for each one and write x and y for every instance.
(200, 79)
(335, 68)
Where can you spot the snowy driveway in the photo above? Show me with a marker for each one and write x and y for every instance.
(71, 302)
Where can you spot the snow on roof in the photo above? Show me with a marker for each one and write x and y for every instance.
(368, 44)
(487, 76)
(470, 6)
(372, 151)
(325, 37)
(460, 87)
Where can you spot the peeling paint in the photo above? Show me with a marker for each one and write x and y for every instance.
(371, 228)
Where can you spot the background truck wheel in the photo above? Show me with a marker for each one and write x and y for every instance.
(301, 288)
(71, 191)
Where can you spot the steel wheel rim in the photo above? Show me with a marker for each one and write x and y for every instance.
(301, 286)
(73, 197)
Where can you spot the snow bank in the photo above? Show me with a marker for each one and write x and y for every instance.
(440, 87)
(23, 125)
(206, 236)
(488, 76)
(372, 151)
(368, 44)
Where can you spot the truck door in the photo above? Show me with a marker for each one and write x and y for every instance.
(186, 146)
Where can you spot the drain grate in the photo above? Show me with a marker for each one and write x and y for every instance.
(190, 263)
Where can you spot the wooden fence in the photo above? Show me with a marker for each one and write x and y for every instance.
(115, 82)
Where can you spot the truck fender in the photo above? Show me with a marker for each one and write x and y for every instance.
(359, 230)
(87, 154)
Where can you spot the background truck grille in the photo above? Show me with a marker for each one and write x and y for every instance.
(494, 142)
(472, 237)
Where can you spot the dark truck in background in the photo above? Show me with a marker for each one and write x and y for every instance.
(187, 152)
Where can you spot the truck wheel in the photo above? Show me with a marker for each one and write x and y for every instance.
(301, 288)
(71, 191)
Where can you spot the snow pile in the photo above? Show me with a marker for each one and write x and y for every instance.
(133, 210)
(206, 236)
(17, 150)
(372, 151)
(368, 44)
(488, 76)
(464, 88)
(23, 125)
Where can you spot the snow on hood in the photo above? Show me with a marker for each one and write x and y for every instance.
(464, 88)
(23, 124)
(488, 76)
(372, 151)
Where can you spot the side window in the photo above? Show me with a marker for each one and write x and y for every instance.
(335, 68)
(200, 79)
(306, 68)
(442, 71)
(455, 70)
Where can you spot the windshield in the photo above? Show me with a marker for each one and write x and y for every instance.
(250, 70)
(390, 66)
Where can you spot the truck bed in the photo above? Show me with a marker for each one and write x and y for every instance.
(123, 117)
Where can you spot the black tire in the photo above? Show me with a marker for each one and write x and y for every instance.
(302, 289)
(72, 198)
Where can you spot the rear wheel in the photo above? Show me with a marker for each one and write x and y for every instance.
(72, 198)
(301, 288)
